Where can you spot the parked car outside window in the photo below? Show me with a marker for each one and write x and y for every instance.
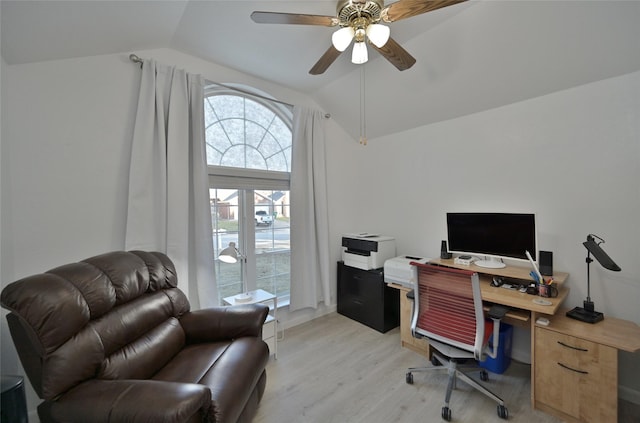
(263, 218)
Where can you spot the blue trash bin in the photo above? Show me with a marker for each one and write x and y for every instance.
(503, 357)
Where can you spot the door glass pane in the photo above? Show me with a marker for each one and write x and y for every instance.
(269, 264)
(272, 241)
(225, 210)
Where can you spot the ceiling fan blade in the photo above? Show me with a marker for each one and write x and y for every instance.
(394, 53)
(293, 18)
(325, 61)
(403, 9)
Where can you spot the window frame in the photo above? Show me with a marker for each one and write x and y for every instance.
(249, 180)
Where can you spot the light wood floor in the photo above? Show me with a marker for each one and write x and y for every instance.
(335, 370)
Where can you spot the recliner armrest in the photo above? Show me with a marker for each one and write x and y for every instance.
(103, 401)
(223, 323)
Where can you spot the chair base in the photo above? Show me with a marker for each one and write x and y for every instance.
(455, 371)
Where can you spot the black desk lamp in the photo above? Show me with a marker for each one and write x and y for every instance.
(587, 313)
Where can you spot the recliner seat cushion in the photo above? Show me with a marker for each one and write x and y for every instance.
(227, 368)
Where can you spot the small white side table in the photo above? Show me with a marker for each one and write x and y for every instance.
(270, 328)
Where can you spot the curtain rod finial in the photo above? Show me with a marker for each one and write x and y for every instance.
(135, 58)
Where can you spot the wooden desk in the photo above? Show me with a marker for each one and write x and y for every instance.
(575, 367)
(586, 391)
(524, 311)
(421, 346)
(512, 298)
(515, 272)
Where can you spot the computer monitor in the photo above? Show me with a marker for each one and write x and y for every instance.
(493, 236)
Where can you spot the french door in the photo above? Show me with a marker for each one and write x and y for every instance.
(257, 221)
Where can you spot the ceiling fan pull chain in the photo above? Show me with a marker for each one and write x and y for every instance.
(363, 103)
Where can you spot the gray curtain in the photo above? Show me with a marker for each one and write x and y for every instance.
(309, 212)
(168, 207)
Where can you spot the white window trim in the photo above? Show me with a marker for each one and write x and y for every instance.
(241, 178)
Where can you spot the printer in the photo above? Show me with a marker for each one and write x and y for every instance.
(367, 251)
(398, 270)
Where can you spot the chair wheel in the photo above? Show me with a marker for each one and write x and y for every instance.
(484, 376)
(446, 413)
(503, 413)
(409, 378)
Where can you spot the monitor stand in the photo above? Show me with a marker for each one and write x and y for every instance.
(490, 264)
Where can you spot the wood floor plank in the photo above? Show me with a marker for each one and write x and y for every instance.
(336, 370)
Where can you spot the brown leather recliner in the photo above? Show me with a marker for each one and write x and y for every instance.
(111, 339)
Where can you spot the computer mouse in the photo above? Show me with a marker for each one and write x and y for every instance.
(497, 281)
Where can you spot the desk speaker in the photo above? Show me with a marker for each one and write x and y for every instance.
(545, 260)
(444, 254)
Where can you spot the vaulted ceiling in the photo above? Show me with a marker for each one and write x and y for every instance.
(472, 56)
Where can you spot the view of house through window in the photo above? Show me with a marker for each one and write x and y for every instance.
(249, 158)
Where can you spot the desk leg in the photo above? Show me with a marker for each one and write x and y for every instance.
(421, 346)
(275, 328)
(534, 317)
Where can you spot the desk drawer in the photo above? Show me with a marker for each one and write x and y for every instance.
(575, 376)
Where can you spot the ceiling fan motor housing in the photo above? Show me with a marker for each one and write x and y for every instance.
(350, 10)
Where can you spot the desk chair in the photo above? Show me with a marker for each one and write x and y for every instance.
(448, 312)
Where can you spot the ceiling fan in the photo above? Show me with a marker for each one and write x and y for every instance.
(359, 20)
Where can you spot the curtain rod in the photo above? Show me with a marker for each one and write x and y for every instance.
(136, 59)
(250, 93)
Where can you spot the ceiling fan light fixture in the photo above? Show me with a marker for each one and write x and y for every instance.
(359, 54)
(378, 34)
(358, 20)
(342, 38)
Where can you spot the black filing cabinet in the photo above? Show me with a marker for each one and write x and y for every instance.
(13, 408)
(363, 296)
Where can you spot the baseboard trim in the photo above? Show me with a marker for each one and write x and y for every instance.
(629, 394)
(303, 316)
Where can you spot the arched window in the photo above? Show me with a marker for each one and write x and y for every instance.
(248, 147)
(244, 133)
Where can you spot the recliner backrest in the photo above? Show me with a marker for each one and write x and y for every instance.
(113, 316)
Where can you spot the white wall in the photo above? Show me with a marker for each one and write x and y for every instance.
(65, 132)
(572, 157)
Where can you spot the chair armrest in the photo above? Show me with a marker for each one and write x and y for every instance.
(223, 323)
(496, 313)
(136, 401)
